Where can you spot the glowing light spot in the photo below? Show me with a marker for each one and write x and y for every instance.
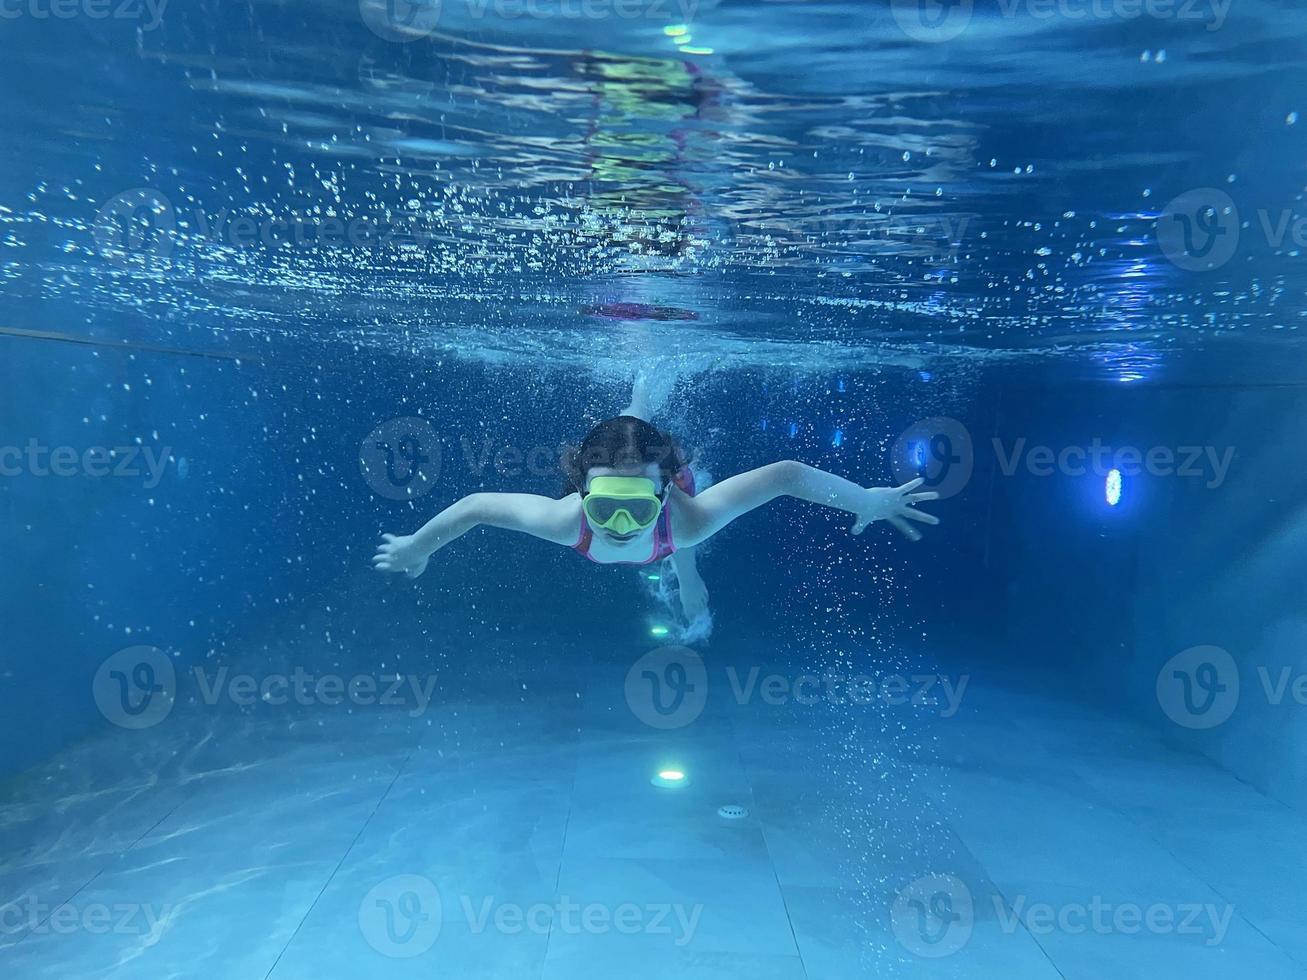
(1112, 488)
(688, 49)
(676, 30)
(670, 777)
(683, 39)
(652, 577)
(658, 631)
(839, 438)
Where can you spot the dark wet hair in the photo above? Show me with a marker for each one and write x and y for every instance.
(623, 441)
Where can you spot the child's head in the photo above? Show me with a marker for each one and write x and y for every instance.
(624, 446)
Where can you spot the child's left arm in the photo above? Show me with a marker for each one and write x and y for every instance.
(721, 503)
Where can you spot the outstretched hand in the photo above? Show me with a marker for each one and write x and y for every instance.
(399, 553)
(898, 506)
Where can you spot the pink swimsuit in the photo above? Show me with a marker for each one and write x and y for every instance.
(662, 537)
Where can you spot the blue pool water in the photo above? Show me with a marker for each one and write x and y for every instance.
(277, 278)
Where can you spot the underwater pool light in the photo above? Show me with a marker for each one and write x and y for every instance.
(839, 438)
(919, 457)
(658, 631)
(1112, 488)
(670, 778)
(653, 577)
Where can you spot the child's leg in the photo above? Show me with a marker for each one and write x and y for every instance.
(689, 585)
(640, 406)
(690, 588)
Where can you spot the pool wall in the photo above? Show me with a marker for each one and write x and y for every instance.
(1209, 559)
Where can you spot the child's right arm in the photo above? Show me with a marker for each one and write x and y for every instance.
(543, 517)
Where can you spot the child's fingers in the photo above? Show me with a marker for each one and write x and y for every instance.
(916, 498)
(920, 515)
(858, 526)
(906, 529)
(388, 538)
(912, 485)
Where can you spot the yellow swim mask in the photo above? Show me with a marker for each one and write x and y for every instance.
(622, 504)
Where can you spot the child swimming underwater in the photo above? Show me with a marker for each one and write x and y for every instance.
(633, 502)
